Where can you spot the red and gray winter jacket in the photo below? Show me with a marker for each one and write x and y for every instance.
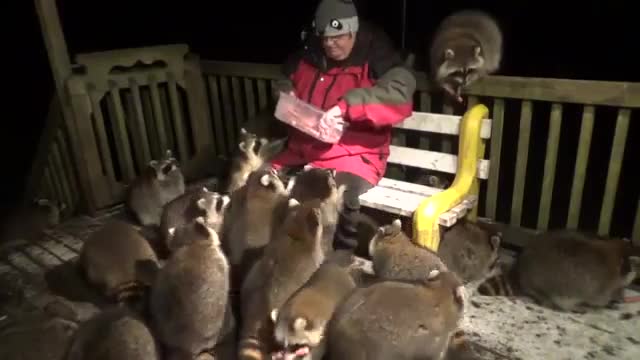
(373, 88)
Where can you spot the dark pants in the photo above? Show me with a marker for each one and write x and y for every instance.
(346, 236)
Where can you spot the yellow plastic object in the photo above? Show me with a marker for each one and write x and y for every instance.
(426, 230)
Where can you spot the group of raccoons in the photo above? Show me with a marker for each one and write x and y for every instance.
(256, 263)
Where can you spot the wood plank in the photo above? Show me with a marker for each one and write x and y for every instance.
(589, 92)
(236, 94)
(432, 160)
(635, 234)
(440, 123)
(496, 152)
(140, 121)
(178, 121)
(262, 94)
(613, 174)
(550, 161)
(580, 170)
(67, 163)
(106, 162)
(521, 162)
(216, 114)
(229, 121)
(400, 202)
(425, 107)
(158, 116)
(418, 189)
(250, 96)
(123, 146)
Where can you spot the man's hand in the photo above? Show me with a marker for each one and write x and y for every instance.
(331, 121)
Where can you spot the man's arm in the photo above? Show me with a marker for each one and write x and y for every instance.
(390, 101)
(288, 68)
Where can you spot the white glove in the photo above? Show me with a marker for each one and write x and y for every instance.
(331, 120)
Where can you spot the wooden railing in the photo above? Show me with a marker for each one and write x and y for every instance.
(531, 116)
(562, 151)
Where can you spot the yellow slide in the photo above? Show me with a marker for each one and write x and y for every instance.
(426, 231)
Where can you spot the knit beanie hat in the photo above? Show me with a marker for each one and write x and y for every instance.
(336, 17)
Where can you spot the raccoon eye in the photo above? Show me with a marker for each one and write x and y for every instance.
(167, 169)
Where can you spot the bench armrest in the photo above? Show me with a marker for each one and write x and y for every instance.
(426, 230)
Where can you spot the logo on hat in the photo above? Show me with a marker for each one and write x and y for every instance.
(336, 24)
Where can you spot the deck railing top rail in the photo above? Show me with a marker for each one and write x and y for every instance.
(587, 92)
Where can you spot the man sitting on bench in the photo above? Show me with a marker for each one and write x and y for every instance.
(351, 70)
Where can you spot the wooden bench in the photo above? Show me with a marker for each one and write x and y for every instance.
(403, 198)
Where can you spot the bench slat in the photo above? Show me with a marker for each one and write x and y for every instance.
(441, 124)
(432, 160)
(402, 198)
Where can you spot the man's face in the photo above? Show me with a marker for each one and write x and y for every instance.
(338, 47)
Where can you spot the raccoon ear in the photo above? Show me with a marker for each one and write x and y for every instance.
(449, 54)
(293, 202)
(433, 274)
(168, 154)
(226, 199)
(477, 50)
(433, 181)
(307, 167)
(274, 315)
(202, 203)
(264, 180)
(373, 243)
(459, 294)
(299, 324)
(172, 231)
(332, 172)
(153, 163)
(204, 188)
(243, 131)
(291, 183)
(396, 225)
(242, 146)
(42, 202)
(495, 240)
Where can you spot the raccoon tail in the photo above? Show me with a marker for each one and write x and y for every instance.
(498, 285)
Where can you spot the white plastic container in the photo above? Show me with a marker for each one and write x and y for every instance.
(305, 117)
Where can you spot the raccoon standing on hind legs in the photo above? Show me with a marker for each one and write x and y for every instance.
(466, 47)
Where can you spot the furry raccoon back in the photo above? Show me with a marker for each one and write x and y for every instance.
(468, 26)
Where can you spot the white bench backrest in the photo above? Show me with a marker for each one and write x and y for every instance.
(433, 160)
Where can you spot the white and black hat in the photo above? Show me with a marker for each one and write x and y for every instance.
(335, 17)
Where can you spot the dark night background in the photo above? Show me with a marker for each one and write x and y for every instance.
(591, 40)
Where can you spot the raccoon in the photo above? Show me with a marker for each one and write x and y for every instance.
(28, 222)
(114, 334)
(470, 251)
(320, 184)
(398, 320)
(246, 160)
(255, 210)
(289, 260)
(569, 271)
(301, 322)
(189, 297)
(160, 182)
(42, 339)
(395, 257)
(111, 259)
(466, 46)
(189, 206)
